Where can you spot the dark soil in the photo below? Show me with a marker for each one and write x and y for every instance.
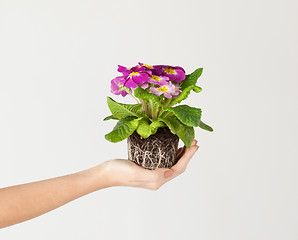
(157, 151)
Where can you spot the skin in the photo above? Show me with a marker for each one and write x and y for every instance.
(23, 202)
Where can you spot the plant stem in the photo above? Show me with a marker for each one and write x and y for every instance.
(159, 111)
(144, 107)
(152, 108)
(149, 109)
(167, 102)
(164, 114)
(134, 97)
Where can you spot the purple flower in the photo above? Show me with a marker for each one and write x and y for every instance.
(160, 80)
(124, 70)
(144, 85)
(176, 74)
(138, 68)
(177, 91)
(135, 79)
(146, 66)
(142, 68)
(117, 86)
(156, 69)
(134, 76)
(168, 90)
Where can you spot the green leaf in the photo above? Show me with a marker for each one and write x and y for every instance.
(110, 117)
(147, 128)
(184, 94)
(189, 116)
(191, 79)
(205, 126)
(186, 134)
(188, 84)
(144, 128)
(172, 122)
(123, 129)
(143, 94)
(120, 110)
(155, 125)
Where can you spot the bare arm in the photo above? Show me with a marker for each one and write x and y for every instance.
(23, 202)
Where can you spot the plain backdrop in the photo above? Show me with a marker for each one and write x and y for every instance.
(56, 62)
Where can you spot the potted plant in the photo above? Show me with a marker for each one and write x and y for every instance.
(154, 125)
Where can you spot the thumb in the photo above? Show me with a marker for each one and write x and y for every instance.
(168, 173)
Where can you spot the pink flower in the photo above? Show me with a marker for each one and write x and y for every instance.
(160, 80)
(168, 90)
(117, 86)
(149, 67)
(177, 91)
(134, 76)
(176, 74)
(144, 85)
(135, 79)
(124, 70)
(142, 68)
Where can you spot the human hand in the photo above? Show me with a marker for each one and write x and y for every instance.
(122, 172)
(19, 203)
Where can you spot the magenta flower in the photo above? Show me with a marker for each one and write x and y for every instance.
(176, 74)
(117, 86)
(135, 79)
(138, 68)
(134, 76)
(156, 69)
(177, 91)
(146, 66)
(144, 85)
(124, 70)
(160, 80)
(168, 90)
(142, 68)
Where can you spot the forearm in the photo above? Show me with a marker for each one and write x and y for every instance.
(23, 202)
(26, 201)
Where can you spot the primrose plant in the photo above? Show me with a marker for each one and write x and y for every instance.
(157, 89)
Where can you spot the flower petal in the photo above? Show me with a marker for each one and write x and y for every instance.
(155, 91)
(140, 78)
(129, 83)
(176, 75)
(167, 95)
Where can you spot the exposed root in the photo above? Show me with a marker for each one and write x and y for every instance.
(158, 150)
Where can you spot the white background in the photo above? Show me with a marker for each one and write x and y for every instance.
(56, 62)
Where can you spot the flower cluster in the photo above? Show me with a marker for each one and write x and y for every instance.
(156, 89)
(161, 80)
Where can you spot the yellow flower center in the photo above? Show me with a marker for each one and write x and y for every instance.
(162, 89)
(169, 70)
(148, 66)
(155, 78)
(134, 73)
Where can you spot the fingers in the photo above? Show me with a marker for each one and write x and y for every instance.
(154, 179)
(181, 165)
(163, 175)
(194, 142)
(168, 173)
(180, 150)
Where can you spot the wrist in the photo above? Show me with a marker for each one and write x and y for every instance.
(107, 174)
(96, 178)
(112, 173)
